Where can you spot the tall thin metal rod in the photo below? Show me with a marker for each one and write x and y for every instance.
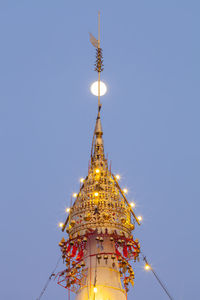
(99, 104)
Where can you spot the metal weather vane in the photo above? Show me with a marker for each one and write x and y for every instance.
(99, 57)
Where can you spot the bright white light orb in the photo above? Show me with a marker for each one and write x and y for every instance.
(125, 191)
(94, 88)
(147, 267)
(60, 224)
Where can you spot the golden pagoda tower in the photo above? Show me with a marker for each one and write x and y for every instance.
(100, 247)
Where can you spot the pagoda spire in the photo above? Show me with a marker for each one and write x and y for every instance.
(99, 225)
(98, 127)
(97, 151)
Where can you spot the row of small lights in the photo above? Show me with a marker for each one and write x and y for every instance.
(132, 204)
(96, 194)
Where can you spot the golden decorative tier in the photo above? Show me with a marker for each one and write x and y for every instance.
(100, 203)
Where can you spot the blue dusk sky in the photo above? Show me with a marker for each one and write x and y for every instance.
(151, 123)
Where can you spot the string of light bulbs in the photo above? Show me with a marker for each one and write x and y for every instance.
(96, 194)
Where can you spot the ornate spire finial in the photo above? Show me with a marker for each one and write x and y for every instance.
(98, 132)
(99, 57)
(98, 127)
(97, 151)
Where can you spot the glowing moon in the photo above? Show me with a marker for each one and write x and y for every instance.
(94, 88)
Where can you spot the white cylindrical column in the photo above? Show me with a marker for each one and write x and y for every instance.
(102, 281)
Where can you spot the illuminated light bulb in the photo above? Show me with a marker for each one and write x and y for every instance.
(147, 267)
(60, 224)
(95, 289)
(94, 88)
(74, 195)
(117, 177)
(132, 204)
(125, 191)
(68, 210)
(97, 171)
(96, 194)
(139, 218)
(82, 180)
